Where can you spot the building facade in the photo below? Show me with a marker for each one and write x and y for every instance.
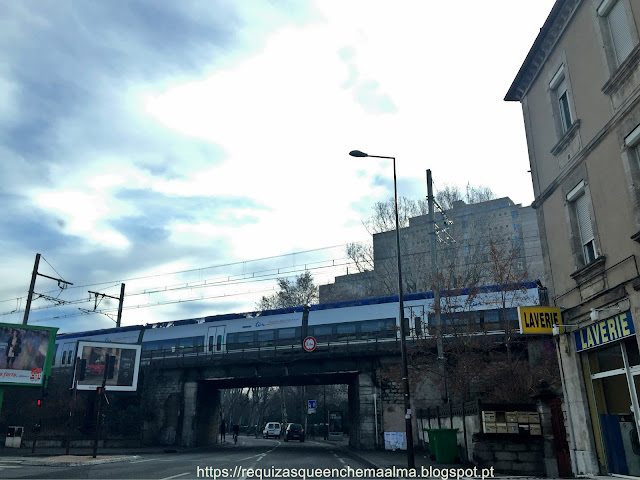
(466, 233)
(579, 88)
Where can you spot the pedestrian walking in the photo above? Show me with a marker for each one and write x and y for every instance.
(223, 430)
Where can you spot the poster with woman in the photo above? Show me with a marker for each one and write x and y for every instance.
(25, 353)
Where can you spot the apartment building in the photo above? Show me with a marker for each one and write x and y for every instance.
(579, 88)
(466, 233)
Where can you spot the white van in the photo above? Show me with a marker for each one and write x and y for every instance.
(272, 429)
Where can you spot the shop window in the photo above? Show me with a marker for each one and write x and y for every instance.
(605, 359)
(633, 356)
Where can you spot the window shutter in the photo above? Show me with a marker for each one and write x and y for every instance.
(620, 33)
(584, 220)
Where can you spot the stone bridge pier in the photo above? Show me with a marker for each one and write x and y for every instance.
(364, 412)
(185, 411)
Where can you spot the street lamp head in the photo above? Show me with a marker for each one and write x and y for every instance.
(357, 153)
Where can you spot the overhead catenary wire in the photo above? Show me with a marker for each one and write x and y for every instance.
(180, 287)
(241, 262)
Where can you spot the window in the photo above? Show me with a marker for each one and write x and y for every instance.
(514, 214)
(617, 24)
(558, 86)
(346, 331)
(563, 102)
(580, 206)
(632, 141)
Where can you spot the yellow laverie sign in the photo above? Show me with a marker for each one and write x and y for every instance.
(538, 320)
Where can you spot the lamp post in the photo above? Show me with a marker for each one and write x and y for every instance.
(403, 332)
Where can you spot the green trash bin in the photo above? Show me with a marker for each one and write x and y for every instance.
(443, 443)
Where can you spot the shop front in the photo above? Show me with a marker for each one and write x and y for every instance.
(611, 364)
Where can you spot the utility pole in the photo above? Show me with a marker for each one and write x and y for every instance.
(434, 274)
(31, 287)
(120, 302)
(33, 284)
(326, 414)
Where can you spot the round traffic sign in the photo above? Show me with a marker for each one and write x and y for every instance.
(309, 344)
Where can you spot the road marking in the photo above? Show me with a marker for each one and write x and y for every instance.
(147, 460)
(176, 476)
(9, 466)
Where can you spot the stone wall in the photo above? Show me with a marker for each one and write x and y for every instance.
(510, 454)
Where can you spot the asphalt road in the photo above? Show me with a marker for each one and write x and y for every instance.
(272, 457)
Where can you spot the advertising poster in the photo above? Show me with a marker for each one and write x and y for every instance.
(25, 353)
(125, 373)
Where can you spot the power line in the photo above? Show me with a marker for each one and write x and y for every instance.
(118, 282)
(179, 287)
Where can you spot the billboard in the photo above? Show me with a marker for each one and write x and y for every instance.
(125, 373)
(26, 353)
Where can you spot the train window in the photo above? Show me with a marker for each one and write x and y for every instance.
(151, 345)
(169, 345)
(372, 328)
(418, 323)
(55, 352)
(407, 331)
(286, 333)
(346, 331)
(64, 357)
(245, 338)
(186, 342)
(319, 331)
(492, 316)
(287, 336)
(211, 344)
(199, 344)
(219, 343)
(266, 338)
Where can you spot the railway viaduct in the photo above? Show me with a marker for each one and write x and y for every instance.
(186, 391)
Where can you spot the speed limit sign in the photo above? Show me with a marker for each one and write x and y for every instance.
(309, 344)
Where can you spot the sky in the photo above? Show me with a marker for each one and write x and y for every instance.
(196, 151)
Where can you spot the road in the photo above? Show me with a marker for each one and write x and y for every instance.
(226, 459)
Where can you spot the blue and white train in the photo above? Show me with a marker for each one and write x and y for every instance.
(357, 321)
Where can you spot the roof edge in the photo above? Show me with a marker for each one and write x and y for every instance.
(513, 94)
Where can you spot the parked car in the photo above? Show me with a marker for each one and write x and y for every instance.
(294, 432)
(272, 429)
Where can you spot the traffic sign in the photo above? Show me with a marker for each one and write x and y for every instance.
(311, 406)
(309, 344)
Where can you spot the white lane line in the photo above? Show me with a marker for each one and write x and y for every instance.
(147, 460)
(175, 476)
(9, 466)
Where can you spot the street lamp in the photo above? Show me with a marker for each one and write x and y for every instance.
(403, 332)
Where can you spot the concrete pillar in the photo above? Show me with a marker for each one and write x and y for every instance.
(208, 417)
(362, 417)
(189, 424)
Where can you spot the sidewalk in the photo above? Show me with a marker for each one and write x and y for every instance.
(77, 456)
(386, 459)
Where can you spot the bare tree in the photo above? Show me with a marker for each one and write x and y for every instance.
(291, 293)
(449, 195)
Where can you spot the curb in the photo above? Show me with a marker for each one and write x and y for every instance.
(50, 461)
